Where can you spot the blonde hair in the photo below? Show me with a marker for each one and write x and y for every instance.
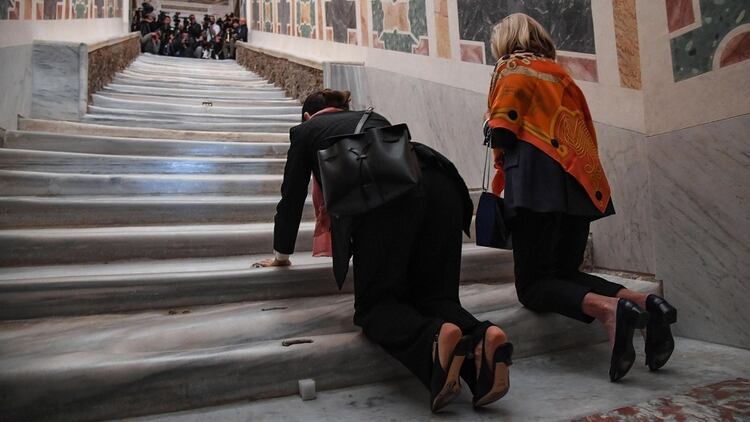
(520, 32)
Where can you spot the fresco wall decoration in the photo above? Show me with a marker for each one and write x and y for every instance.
(306, 23)
(59, 9)
(707, 35)
(341, 21)
(400, 25)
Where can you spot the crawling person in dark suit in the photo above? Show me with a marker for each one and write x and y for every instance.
(406, 258)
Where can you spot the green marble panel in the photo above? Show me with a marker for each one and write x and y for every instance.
(693, 52)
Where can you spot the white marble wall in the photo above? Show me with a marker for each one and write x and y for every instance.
(444, 117)
(15, 85)
(59, 80)
(700, 179)
(624, 241)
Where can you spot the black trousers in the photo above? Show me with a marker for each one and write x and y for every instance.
(548, 251)
(407, 261)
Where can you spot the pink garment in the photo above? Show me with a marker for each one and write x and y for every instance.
(322, 233)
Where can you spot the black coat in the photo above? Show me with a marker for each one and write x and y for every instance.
(302, 161)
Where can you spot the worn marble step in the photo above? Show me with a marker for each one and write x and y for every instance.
(187, 83)
(227, 93)
(158, 70)
(79, 128)
(196, 116)
(204, 80)
(85, 289)
(159, 123)
(187, 63)
(82, 163)
(30, 247)
(92, 368)
(44, 141)
(28, 183)
(99, 211)
(197, 102)
(124, 104)
(249, 87)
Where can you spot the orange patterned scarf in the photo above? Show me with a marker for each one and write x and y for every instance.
(538, 101)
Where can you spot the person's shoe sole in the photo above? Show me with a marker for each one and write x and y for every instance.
(499, 388)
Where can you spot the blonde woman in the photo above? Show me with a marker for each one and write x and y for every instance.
(548, 165)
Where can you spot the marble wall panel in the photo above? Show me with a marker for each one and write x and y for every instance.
(446, 118)
(628, 47)
(59, 86)
(570, 22)
(680, 13)
(341, 18)
(285, 21)
(400, 25)
(306, 18)
(701, 227)
(720, 33)
(268, 19)
(15, 84)
(59, 9)
(624, 241)
(348, 77)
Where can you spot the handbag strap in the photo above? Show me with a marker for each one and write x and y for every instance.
(363, 120)
(487, 162)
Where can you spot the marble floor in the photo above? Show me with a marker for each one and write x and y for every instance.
(552, 387)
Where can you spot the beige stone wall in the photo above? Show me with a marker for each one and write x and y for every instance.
(106, 59)
(298, 78)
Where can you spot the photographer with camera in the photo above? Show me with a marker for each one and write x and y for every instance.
(151, 43)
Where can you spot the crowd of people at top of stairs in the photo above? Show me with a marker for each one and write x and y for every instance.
(213, 38)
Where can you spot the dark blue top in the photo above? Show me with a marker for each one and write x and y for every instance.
(536, 182)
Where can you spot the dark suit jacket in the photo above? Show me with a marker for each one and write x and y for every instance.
(306, 140)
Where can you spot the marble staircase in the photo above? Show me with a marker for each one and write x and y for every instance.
(126, 244)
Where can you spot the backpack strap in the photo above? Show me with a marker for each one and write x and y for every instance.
(363, 120)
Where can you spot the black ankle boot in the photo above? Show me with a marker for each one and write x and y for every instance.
(659, 340)
(629, 318)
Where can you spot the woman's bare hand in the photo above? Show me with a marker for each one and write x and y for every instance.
(486, 115)
(272, 262)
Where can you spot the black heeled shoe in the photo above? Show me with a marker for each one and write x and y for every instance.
(659, 340)
(629, 318)
(493, 384)
(445, 385)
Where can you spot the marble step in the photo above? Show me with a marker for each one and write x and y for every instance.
(205, 80)
(28, 183)
(160, 123)
(187, 83)
(101, 367)
(99, 211)
(248, 87)
(44, 141)
(161, 70)
(125, 104)
(197, 116)
(200, 68)
(226, 93)
(80, 163)
(78, 128)
(31, 247)
(34, 292)
(198, 102)
(187, 63)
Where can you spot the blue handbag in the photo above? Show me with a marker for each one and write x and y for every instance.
(491, 230)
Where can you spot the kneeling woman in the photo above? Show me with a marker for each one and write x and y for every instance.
(555, 186)
(407, 259)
